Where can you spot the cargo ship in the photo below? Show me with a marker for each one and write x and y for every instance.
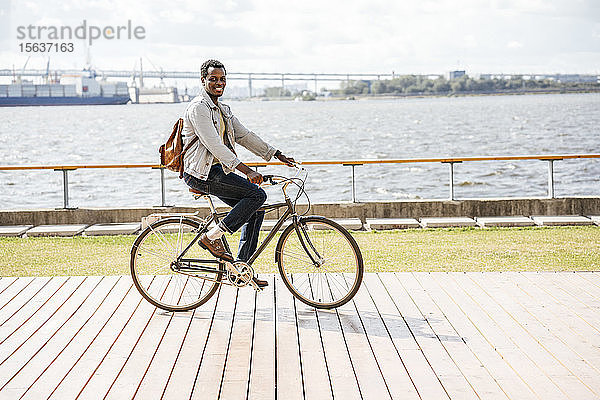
(80, 89)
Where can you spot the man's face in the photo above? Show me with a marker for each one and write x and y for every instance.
(215, 81)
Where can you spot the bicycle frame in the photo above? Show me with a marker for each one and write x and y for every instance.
(215, 216)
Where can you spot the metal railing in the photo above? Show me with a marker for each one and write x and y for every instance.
(550, 159)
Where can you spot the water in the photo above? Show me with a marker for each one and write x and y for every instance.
(368, 129)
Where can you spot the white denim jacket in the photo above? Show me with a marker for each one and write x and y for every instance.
(201, 118)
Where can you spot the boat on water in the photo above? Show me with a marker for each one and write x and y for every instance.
(76, 89)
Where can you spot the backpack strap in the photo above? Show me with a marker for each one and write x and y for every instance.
(182, 154)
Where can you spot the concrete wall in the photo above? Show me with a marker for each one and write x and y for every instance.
(397, 209)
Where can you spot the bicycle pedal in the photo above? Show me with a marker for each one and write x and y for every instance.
(256, 287)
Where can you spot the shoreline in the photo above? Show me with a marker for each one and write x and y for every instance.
(420, 95)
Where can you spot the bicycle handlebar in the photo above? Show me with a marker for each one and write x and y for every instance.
(274, 179)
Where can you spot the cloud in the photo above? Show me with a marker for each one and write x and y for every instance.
(514, 44)
(409, 36)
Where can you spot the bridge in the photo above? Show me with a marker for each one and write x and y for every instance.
(245, 76)
(276, 76)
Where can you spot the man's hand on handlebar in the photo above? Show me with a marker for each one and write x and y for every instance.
(251, 174)
(255, 177)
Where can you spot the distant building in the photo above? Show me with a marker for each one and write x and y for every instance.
(455, 75)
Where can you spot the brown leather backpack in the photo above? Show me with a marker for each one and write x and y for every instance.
(172, 152)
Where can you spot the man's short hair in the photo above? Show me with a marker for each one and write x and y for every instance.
(208, 64)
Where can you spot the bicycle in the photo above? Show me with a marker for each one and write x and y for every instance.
(319, 261)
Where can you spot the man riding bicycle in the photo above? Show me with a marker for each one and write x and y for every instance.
(209, 163)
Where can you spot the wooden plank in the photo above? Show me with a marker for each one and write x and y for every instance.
(235, 378)
(577, 280)
(444, 367)
(499, 286)
(51, 322)
(143, 352)
(42, 385)
(413, 360)
(17, 333)
(74, 376)
(534, 379)
(10, 288)
(465, 324)
(5, 282)
(341, 370)
(262, 365)
(317, 384)
(396, 378)
(51, 345)
(121, 346)
(554, 290)
(33, 311)
(289, 372)
(475, 373)
(208, 381)
(557, 374)
(575, 331)
(368, 375)
(166, 354)
(591, 276)
(184, 371)
(18, 300)
(581, 290)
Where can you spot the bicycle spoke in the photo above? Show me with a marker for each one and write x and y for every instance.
(154, 252)
(145, 249)
(321, 283)
(163, 239)
(304, 259)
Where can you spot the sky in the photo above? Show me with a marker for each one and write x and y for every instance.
(339, 36)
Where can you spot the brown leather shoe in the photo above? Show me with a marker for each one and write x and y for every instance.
(216, 247)
(260, 283)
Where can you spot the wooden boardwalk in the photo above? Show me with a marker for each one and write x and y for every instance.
(405, 336)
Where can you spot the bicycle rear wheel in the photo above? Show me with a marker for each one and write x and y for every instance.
(160, 279)
(321, 264)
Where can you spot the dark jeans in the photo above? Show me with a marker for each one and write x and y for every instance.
(245, 198)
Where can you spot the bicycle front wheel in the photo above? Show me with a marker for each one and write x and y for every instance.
(160, 279)
(320, 262)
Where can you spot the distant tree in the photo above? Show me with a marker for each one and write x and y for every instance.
(379, 87)
(355, 87)
(406, 81)
(277, 92)
(411, 84)
(441, 85)
(459, 85)
(413, 89)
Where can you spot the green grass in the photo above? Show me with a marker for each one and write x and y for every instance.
(511, 249)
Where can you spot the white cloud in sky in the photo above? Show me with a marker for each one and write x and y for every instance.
(406, 36)
(514, 44)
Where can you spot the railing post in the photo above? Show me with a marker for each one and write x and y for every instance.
(451, 176)
(353, 181)
(551, 177)
(65, 188)
(163, 190)
(65, 174)
(163, 186)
